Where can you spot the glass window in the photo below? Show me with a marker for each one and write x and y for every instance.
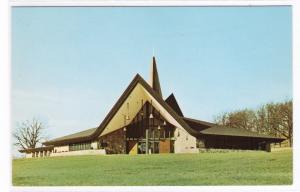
(80, 146)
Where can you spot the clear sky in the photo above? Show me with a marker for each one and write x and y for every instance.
(70, 65)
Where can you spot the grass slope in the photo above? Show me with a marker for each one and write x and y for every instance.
(232, 168)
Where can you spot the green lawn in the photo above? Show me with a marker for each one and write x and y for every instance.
(231, 168)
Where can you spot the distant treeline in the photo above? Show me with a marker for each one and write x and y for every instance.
(274, 119)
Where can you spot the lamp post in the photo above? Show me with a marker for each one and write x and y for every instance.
(151, 117)
(124, 133)
(158, 128)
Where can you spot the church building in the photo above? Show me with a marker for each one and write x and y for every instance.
(143, 122)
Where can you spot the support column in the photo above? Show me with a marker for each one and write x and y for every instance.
(153, 140)
(147, 141)
(268, 147)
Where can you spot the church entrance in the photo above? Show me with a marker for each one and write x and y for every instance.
(153, 147)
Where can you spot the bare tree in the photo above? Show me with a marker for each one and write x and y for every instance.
(28, 134)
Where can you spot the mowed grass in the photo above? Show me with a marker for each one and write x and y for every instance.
(231, 168)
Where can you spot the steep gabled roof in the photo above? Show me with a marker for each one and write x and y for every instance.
(157, 97)
(154, 79)
(137, 79)
(172, 102)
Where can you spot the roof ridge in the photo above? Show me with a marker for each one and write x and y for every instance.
(137, 79)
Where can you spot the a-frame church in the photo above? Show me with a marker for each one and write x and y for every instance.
(143, 122)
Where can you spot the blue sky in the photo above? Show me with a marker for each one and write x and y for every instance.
(71, 64)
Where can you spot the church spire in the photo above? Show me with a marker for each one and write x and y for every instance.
(154, 80)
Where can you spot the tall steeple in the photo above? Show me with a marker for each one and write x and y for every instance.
(154, 80)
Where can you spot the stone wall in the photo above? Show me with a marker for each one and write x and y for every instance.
(114, 142)
(184, 142)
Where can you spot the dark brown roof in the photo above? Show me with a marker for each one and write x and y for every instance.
(207, 128)
(198, 124)
(172, 102)
(228, 131)
(84, 133)
(137, 79)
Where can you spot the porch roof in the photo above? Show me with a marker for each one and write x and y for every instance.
(37, 149)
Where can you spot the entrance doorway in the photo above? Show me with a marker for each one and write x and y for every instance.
(153, 147)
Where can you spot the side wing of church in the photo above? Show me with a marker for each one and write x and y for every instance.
(142, 122)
